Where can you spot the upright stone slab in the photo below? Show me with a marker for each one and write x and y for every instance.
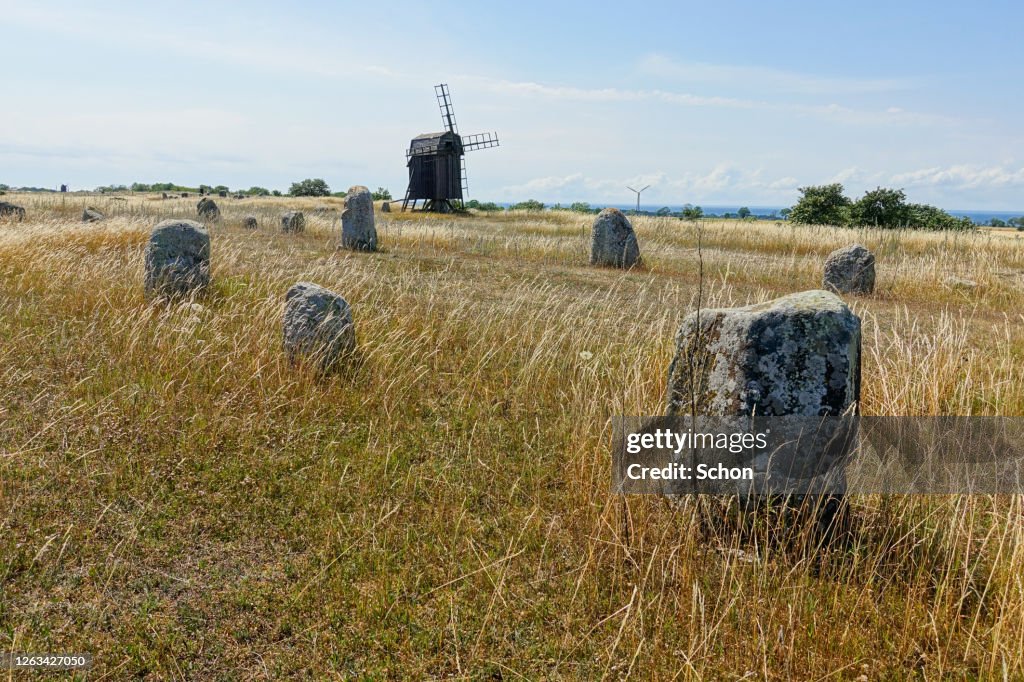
(250, 222)
(357, 228)
(795, 356)
(850, 270)
(293, 222)
(9, 210)
(177, 258)
(613, 242)
(318, 326)
(91, 215)
(207, 209)
(385, 207)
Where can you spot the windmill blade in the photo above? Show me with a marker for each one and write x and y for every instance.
(479, 141)
(633, 190)
(444, 101)
(465, 181)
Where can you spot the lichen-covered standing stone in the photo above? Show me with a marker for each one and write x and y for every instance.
(613, 241)
(385, 207)
(177, 258)
(357, 228)
(318, 326)
(91, 215)
(9, 210)
(293, 222)
(850, 270)
(795, 355)
(207, 208)
(250, 222)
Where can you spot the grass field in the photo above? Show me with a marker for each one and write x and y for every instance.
(178, 501)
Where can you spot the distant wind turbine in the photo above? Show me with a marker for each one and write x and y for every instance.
(638, 191)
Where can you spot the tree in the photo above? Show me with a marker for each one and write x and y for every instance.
(881, 207)
(310, 187)
(664, 211)
(785, 213)
(580, 207)
(482, 206)
(691, 212)
(205, 189)
(996, 222)
(276, 193)
(528, 205)
(381, 194)
(258, 191)
(221, 188)
(925, 217)
(743, 213)
(821, 205)
(139, 187)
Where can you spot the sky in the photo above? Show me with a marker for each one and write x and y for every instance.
(710, 103)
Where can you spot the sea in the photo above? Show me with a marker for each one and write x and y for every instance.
(978, 217)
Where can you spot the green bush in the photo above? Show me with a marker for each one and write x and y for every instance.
(821, 205)
(528, 205)
(310, 187)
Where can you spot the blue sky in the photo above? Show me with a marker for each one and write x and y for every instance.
(710, 103)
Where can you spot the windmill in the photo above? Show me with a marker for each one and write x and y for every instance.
(437, 172)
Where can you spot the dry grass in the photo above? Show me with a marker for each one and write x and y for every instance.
(178, 501)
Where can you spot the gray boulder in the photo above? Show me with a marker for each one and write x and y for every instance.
(357, 227)
(250, 222)
(8, 210)
(207, 209)
(293, 222)
(795, 355)
(850, 270)
(613, 241)
(177, 258)
(318, 326)
(91, 215)
(385, 207)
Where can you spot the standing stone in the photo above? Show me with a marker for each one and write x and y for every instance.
(8, 210)
(385, 207)
(317, 326)
(795, 356)
(357, 228)
(207, 209)
(293, 221)
(850, 270)
(91, 215)
(250, 222)
(177, 258)
(613, 241)
(222, 194)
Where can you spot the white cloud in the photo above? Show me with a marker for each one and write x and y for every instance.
(830, 111)
(762, 78)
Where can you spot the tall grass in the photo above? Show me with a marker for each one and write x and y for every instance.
(179, 501)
